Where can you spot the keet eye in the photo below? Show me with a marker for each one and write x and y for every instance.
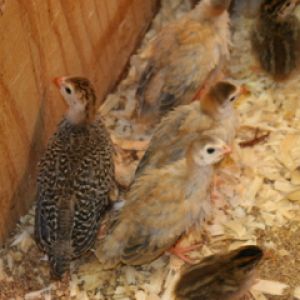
(68, 90)
(232, 98)
(210, 150)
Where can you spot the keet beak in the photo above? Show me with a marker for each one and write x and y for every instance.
(226, 149)
(58, 81)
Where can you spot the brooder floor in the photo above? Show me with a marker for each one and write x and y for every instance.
(260, 193)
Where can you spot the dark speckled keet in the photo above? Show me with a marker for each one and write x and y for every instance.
(76, 176)
(220, 277)
(276, 38)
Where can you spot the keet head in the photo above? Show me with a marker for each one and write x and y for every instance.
(80, 96)
(219, 97)
(208, 150)
(224, 276)
(241, 265)
(246, 258)
(224, 92)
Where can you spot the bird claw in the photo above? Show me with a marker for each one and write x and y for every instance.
(181, 251)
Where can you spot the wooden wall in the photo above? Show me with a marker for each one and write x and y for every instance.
(41, 39)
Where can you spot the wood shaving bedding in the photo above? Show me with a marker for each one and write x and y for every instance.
(261, 193)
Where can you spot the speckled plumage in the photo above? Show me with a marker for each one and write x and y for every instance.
(220, 277)
(214, 114)
(163, 204)
(186, 55)
(276, 38)
(76, 176)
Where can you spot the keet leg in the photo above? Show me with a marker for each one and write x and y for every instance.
(180, 252)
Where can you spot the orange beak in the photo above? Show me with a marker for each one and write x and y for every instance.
(58, 81)
(226, 149)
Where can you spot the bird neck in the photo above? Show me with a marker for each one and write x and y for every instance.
(225, 111)
(195, 172)
(80, 117)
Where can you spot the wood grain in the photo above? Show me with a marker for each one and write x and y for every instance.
(41, 39)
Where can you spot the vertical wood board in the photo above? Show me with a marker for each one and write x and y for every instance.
(42, 39)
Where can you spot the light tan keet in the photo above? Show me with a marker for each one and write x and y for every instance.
(162, 205)
(186, 56)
